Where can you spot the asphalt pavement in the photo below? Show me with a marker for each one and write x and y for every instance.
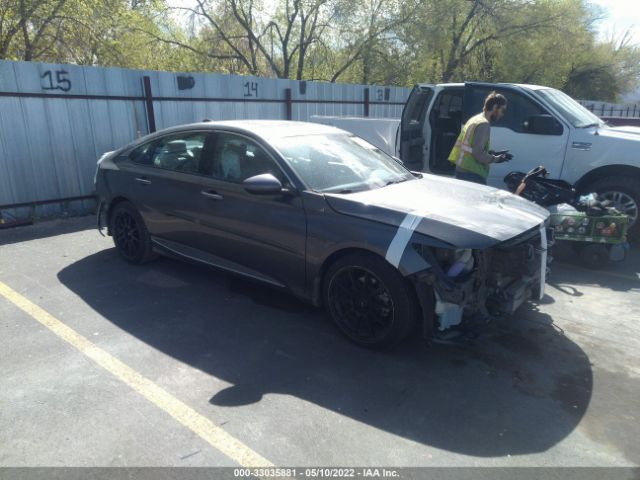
(175, 364)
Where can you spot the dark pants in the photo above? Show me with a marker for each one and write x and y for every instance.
(471, 177)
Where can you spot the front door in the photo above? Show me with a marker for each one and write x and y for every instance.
(512, 132)
(264, 234)
(413, 147)
(445, 120)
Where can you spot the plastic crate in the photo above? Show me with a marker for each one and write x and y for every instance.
(580, 227)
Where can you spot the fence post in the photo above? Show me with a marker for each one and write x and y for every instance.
(366, 102)
(148, 98)
(288, 103)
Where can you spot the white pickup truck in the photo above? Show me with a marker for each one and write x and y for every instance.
(542, 126)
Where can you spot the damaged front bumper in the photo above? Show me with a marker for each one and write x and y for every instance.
(482, 284)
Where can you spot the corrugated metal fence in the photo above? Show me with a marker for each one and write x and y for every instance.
(56, 120)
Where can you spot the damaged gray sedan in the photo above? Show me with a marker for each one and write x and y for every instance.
(331, 218)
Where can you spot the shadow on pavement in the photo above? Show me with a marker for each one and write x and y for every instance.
(520, 388)
(47, 228)
(567, 270)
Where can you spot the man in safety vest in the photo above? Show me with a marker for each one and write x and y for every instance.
(471, 154)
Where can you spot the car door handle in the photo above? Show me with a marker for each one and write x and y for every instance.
(143, 181)
(211, 194)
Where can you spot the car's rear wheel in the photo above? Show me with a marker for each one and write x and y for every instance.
(370, 302)
(130, 235)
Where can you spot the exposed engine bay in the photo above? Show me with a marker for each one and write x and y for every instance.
(486, 284)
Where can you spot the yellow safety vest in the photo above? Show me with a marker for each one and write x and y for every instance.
(461, 154)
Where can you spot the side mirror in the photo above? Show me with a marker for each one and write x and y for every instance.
(265, 184)
(543, 125)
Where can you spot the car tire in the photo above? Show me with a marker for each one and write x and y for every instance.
(623, 191)
(130, 235)
(369, 300)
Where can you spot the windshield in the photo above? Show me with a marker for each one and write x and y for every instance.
(340, 163)
(571, 110)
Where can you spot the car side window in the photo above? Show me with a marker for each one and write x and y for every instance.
(236, 158)
(141, 154)
(519, 108)
(180, 153)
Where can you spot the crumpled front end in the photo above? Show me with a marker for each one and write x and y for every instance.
(483, 284)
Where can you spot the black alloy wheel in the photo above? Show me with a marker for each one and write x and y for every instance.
(130, 235)
(126, 235)
(369, 300)
(361, 304)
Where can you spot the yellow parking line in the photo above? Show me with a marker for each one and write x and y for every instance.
(199, 424)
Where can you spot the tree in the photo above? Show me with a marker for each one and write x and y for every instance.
(88, 32)
(244, 32)
(366, 33)
(460, 33)
(28, 27)
(606, 71)
(320, 39)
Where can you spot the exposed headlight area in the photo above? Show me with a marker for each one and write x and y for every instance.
(456, 263)
(484, 284)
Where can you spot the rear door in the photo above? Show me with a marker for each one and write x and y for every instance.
(412, 127)
(155, 176)
(162, 180)
(511, 132)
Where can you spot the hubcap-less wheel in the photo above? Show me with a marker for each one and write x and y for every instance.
(127, 234)
(624, 203)
(361, 304)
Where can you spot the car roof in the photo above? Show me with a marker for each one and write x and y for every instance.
(521, 85)
(268, 130)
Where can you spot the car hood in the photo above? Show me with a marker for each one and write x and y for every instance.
(458, 213)
(625, 129)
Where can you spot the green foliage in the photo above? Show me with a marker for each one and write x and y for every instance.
(396, 42)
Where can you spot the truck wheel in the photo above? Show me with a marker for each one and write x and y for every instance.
(624, 192)
(370, 301)
(130, 235)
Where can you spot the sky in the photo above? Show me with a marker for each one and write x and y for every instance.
(619, 16)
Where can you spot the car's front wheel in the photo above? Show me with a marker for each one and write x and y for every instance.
(130, 235)
(369, 301)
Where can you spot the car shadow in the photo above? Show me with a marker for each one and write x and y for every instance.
(48, 227)
(520, 387)
(568, 271)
